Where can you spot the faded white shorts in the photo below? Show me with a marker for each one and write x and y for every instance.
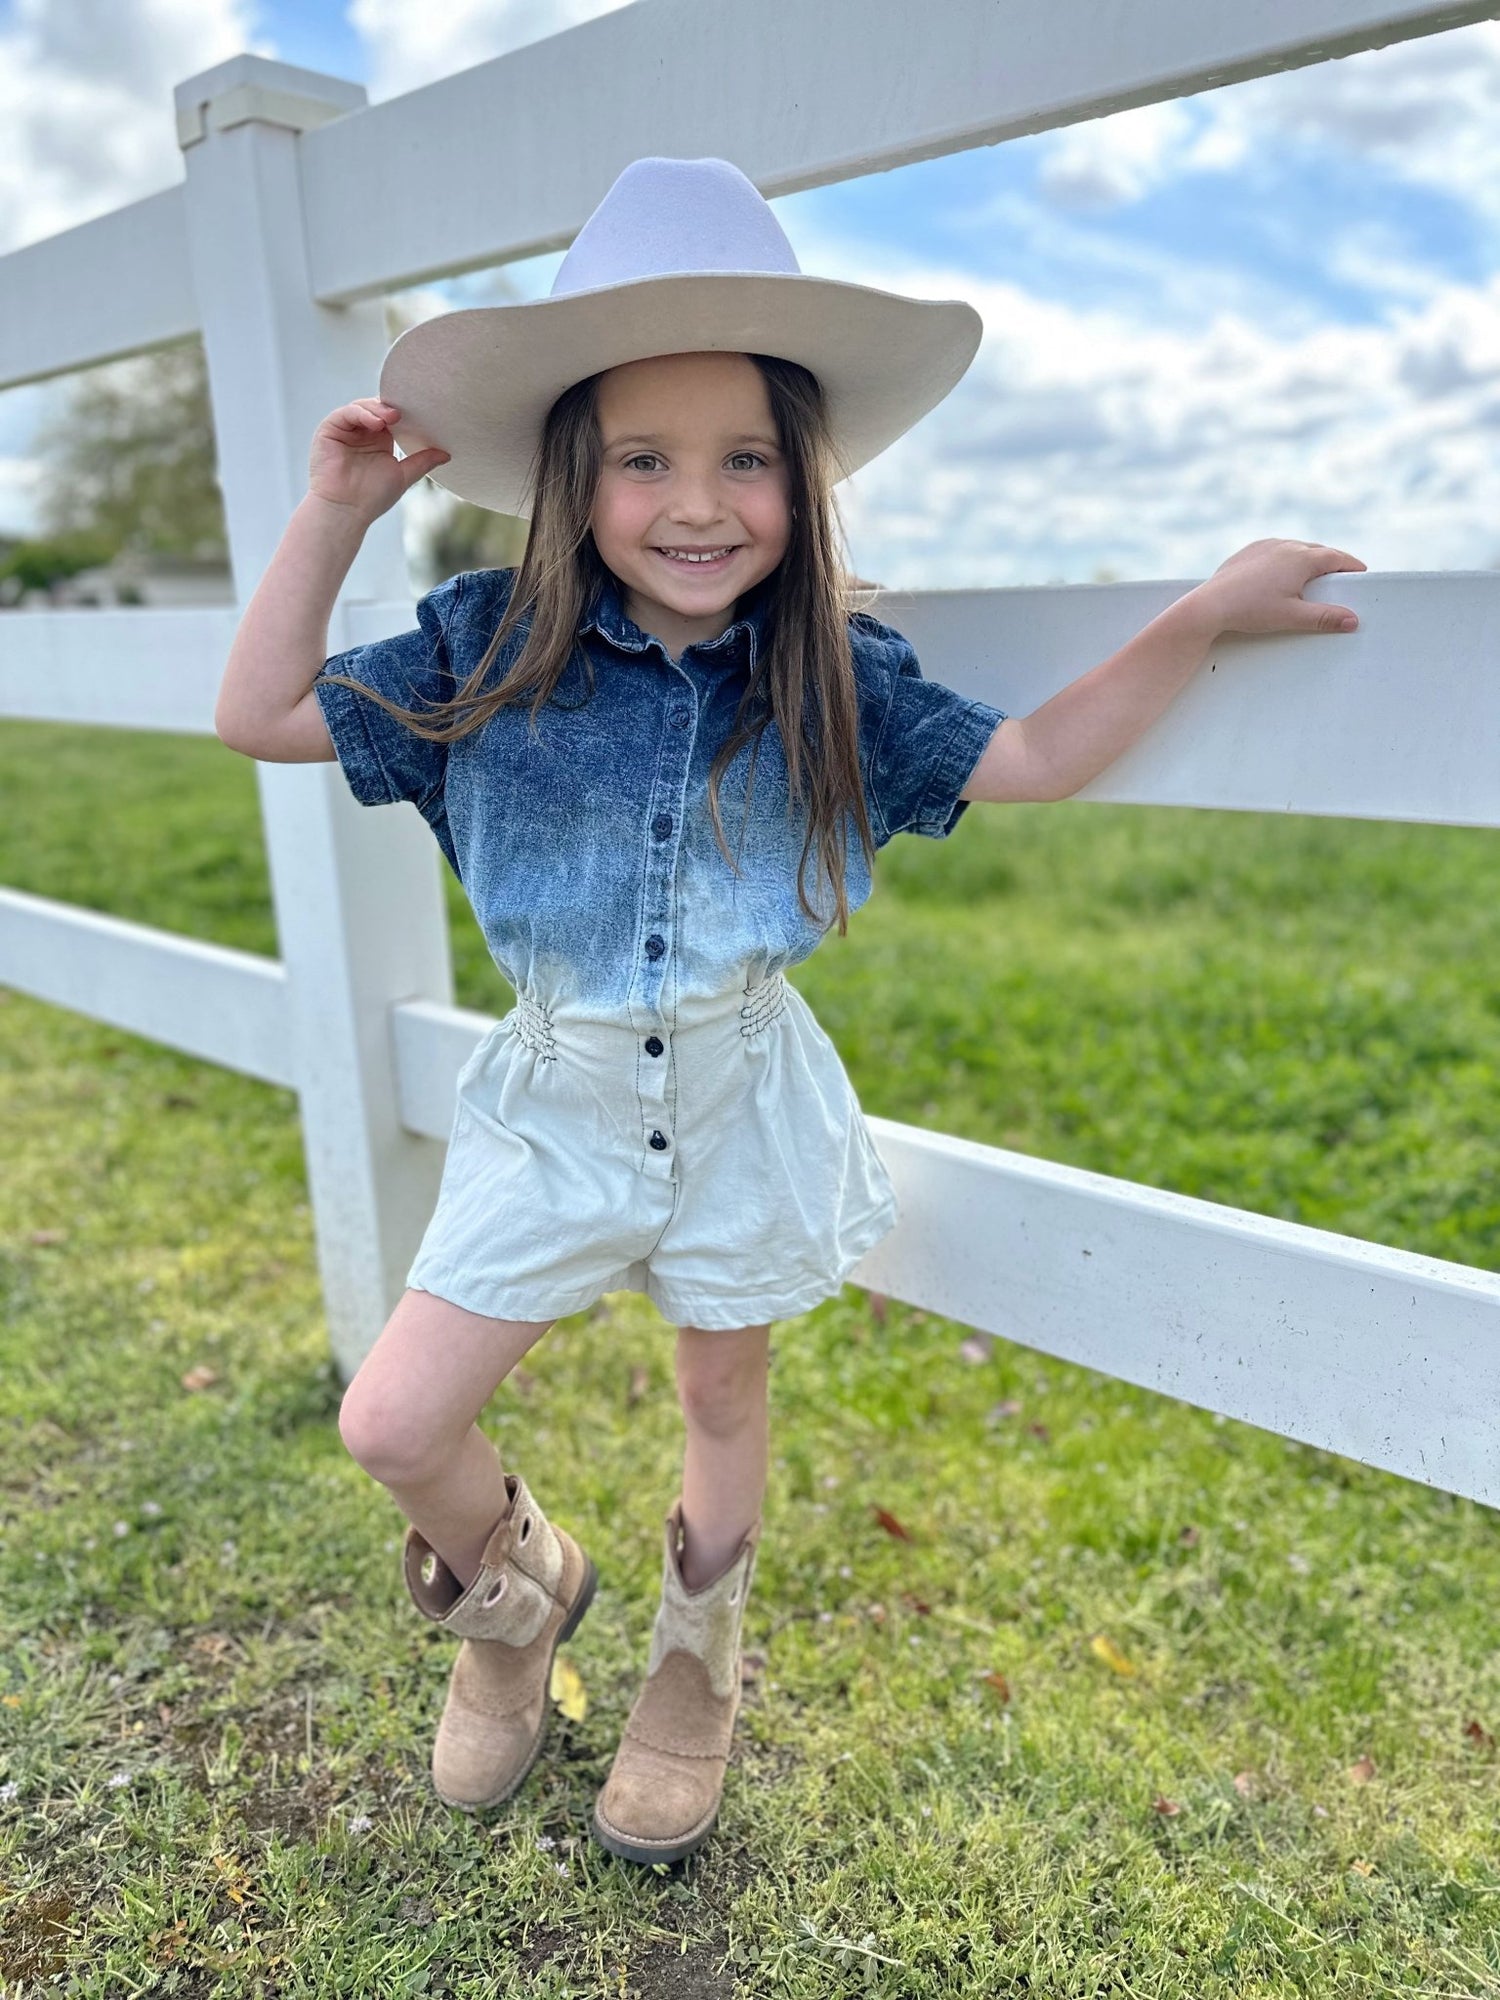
(720, 1164)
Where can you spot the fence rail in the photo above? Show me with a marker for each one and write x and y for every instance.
(301, 207)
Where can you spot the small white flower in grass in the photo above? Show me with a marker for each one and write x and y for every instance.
(229, 1548)
(844, 1570)
(150, 1506)
(830, 1480)
(561, 1867)
(117, 1779)
(825, 1617)
(927, 1812)
(545, 1842)
(10, 1790)
(361, 1823)
(122, 1528)
(1299, 1563)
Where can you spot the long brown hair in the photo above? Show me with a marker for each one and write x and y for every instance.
(803, 679)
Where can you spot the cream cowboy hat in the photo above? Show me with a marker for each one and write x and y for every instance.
(679, 256)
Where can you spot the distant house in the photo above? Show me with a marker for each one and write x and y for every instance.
(133, 579)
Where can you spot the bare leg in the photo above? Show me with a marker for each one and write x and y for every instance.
(408, 1418)
(721, 1384)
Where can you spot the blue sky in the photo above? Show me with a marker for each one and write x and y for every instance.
(1268, 309)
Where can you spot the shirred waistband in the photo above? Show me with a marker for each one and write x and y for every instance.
(752, 1008)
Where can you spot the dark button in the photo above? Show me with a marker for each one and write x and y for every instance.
(654, 1045)
(655, 946)
(661, 826)
(680, 719)
(659, 1142)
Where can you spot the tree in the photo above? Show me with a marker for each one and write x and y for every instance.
(132, 458)
(43, 564)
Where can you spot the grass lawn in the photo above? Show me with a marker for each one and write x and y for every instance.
(1149, 1703)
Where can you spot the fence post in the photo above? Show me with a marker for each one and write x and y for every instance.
(358, 891)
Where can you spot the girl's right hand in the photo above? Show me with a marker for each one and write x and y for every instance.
(353, 462)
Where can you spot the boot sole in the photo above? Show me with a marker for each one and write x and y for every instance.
(565, 1631)
(648, 1851)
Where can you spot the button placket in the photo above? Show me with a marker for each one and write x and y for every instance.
(663, 826)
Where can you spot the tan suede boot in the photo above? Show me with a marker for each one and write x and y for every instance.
(662, 1795)
(533, 1587)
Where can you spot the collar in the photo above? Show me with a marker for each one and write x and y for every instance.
(607, 616)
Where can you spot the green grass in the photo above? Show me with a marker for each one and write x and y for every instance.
(216, 1705)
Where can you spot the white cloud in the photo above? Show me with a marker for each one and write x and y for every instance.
(411, 45)
(1427, 110)
(1107, 161)
(1082, 439)
(86, 102)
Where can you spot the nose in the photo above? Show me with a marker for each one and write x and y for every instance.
(695, 501)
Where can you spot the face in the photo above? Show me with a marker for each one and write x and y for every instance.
(690, 464)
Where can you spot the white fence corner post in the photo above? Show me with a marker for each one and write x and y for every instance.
(358, 891)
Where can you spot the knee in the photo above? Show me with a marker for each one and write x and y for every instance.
(721, 1391)
(390, 1441)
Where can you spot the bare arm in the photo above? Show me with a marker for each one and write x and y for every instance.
(266, 707)
(1085, 726)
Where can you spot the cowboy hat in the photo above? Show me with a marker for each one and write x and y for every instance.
(679, 256)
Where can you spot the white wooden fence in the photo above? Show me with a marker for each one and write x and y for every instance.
(301, 206)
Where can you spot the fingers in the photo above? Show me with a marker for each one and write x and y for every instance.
(417, 464)
(1341, 557)
(366, 414)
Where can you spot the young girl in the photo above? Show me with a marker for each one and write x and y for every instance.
(660, 756)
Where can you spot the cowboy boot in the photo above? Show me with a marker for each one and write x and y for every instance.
(662, 1795)
(533, 1587)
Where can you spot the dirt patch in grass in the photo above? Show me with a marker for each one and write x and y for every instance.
(34, 1942)
(657, 1968)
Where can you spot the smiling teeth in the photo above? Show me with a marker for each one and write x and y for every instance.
(705, 555)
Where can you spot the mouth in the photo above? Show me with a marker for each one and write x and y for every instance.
(706, 560)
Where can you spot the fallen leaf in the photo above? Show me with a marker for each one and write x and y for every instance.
(1362, 1772)
(163, 1711)
(1477, 1733)
(751, 1665)
(1189, 1537)
(1105, 1649)
(975, 1349)
(1245, 1784)
(1363, 1867)
(201, 1377)
(567, 1689)
(877, 1613)
(891, 1525)
(10, 1700)
(1166, 1807)
(877, 1303)
(998, 1682)
(44, 1238)
(640, 1382)
(1041, 1431)
(215, 1644)
(915, 1603)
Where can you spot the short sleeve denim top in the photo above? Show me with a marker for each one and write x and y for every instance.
(587, 850)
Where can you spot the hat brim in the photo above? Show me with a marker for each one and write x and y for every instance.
(479, 381)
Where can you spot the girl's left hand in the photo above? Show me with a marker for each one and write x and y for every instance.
(1259, 589)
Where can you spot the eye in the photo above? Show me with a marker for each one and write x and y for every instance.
(748, 454)
(636, 457)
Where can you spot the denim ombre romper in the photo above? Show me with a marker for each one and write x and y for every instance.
(660, 1110)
